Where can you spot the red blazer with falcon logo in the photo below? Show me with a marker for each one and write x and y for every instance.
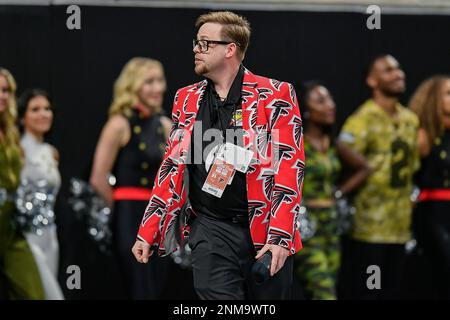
(273, 131)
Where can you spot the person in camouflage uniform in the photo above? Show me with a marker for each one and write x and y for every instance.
(317, 264)
(385, 133)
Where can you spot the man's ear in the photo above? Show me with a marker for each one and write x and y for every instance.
(232, 50)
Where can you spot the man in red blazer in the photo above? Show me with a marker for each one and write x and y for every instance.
(241, 191)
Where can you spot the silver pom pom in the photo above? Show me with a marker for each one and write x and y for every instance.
(92, 210)
(345, 215)
(306, 226)
(35, 201)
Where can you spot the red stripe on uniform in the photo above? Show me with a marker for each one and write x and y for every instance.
(435, 195)
(131, 193)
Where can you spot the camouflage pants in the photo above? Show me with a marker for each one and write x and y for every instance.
(19, 275)
(318, 262)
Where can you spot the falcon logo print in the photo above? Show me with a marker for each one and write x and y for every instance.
(155, 206)
(279, 108)
(292, 93)
(281, 194)
(279, 237)
(298, 130)
(253, 115)
(263, 138)
(246, 94)
(254, 209)
(275, 83)
(264, 93)
(300, 166)
(168, 166)
(268, 179)
(175, 196)
(282, 152)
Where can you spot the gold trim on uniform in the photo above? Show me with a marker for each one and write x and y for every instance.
(137, 129)
(437, 141)
(144, 181)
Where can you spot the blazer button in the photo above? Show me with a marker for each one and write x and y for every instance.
(144, 165)
(142, 146)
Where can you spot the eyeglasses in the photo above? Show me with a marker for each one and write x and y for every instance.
(204, 44)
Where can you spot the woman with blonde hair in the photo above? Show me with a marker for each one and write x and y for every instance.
(431, 103)
(19, 275)
(131, 148)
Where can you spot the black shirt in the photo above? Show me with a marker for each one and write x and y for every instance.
(434, 171)
(138, 162)
(220, 115)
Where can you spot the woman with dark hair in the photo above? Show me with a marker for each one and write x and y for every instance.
(319, 260)
(431, 219)
(19, 275)
(131, 148)
(41, 167)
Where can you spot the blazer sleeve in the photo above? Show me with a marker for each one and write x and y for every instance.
(288, 165)
(161, 194)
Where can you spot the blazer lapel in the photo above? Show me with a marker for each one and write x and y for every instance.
(249, 104)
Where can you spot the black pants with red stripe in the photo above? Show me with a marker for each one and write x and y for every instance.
(222, 258)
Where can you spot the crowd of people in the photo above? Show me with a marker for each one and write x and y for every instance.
(370, 171)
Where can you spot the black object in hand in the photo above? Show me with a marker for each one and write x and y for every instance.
(261, 268)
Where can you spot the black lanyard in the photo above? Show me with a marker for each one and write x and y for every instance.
(222, 129)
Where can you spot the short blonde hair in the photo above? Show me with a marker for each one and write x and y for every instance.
(235, 28)
(8, 118)
(129, 82)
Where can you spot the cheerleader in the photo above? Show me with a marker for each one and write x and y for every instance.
(131, 147)
(41, 164)
(19, 275)
(431, 220)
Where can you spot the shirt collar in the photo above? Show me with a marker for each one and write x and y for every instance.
(142, 111)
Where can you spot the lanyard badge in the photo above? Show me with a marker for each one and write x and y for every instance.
(229, 158)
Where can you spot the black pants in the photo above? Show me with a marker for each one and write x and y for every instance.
(141, 281)
(357, 256)
(222, 257)
(432, 229)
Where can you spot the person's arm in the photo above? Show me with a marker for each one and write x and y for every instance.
(356, 162)
(115, 134)
(423, 143)
(288, 181)
(55, 153)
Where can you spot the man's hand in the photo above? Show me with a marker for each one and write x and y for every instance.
(141, 251)
(279, 255)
